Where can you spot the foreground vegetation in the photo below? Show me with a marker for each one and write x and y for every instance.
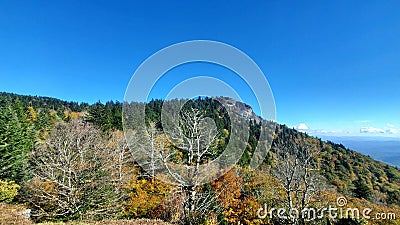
(12, 214)
(70, 162)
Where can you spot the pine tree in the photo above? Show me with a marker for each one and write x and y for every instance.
(16, 141)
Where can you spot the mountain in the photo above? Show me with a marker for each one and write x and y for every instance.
(346, 170)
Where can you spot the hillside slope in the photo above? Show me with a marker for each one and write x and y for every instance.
(350, 172)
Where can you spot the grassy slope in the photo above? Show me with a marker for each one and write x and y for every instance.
(12, 214)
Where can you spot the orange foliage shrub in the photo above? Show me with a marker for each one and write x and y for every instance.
(238, 208)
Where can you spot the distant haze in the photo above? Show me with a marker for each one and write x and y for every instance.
(380, 148)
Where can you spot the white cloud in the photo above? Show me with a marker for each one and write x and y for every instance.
(301, 127)
(392, 131)
(373, 130)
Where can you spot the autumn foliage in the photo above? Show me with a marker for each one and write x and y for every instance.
(145, 197)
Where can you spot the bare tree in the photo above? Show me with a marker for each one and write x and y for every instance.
(183, 152)
(297, 172)
(121, 161)
(148, 146)
(194, 137)
(71, 174)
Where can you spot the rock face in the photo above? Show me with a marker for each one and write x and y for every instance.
(241, 109)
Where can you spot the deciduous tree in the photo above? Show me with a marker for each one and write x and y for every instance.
(71, 174)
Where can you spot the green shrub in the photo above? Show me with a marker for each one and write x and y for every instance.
(8, 191)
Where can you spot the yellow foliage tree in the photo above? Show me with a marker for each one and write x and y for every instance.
(145, 196)
(31, 114)
(74, 115)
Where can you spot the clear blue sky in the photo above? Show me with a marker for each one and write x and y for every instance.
(333, 65)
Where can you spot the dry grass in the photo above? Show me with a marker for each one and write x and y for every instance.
(12, 215)
(115, 222)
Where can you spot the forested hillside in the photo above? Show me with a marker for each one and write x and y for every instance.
(69, 161)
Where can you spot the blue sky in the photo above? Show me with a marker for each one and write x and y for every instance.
(332, 65)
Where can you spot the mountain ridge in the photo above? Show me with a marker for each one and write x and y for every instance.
(345, 169)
